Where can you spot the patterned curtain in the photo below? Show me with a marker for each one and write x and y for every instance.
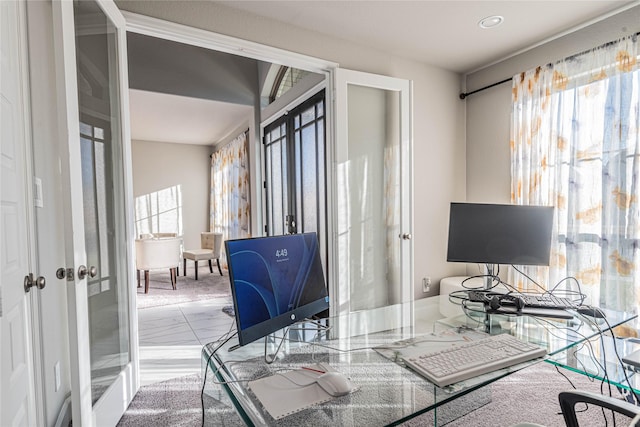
(575, 145)
(230, 209)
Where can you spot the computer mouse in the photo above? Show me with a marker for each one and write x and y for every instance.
(595, 312)
(334, 383)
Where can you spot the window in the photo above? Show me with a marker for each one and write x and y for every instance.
(159, 212)
(574, 139)
(286, 78)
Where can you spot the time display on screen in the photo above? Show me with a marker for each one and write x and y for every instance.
(281, 252)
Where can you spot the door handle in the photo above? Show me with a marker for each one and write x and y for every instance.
(30, 281)
(83, 272)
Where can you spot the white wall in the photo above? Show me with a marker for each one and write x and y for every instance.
(488, 155)
(439, 116)
(160, 165)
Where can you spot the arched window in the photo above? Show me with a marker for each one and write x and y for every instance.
(286, 78)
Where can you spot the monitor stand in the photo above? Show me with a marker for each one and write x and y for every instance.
(298, 326)
(489, 274)
(490, 323)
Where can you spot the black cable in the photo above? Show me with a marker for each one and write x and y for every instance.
(605, 377)
(461, 299)
(586, 406)
(206, 368)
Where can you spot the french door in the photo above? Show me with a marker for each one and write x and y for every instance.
(295, 171)
(372, 199)
(91, 47)
(17, 257)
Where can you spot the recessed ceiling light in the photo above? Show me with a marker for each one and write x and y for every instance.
(491, 21)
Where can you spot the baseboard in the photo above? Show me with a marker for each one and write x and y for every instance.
(64, 416)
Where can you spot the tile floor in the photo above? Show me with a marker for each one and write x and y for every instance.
(171, 337)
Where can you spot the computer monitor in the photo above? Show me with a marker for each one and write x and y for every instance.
(500, 234)
(275, 281)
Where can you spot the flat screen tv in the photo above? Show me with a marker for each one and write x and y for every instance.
(499, 234)
(275, 281)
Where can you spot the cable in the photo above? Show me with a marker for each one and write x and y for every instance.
(601, 365)
(206, 367)
(553, 289)
(319, 328)
(284, 336)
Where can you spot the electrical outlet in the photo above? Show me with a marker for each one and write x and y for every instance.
(426, 284)
(56, 375)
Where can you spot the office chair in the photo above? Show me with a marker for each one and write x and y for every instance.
(569, 399)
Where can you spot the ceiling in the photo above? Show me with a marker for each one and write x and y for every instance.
(160, 117)
(442, 33)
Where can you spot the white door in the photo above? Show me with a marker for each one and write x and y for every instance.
(372, 280)
(91, 50)
(17, 402)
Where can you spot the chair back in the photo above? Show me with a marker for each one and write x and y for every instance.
(154, 254)
(213, 241)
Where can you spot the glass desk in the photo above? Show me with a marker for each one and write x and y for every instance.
(387, 393)
(600, 358)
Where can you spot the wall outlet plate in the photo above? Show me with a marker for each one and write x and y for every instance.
(426, 284)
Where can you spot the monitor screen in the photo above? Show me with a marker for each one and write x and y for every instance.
(500, 234)
(276, 281)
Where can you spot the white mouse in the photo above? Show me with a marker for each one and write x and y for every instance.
(334, 383)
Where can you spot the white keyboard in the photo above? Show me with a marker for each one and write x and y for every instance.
(474, 358)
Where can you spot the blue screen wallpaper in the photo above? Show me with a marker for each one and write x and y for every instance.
(272, 276)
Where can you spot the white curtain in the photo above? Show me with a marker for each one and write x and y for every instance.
(230, 209)
(575, 145)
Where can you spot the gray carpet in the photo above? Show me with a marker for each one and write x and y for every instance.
(531, 395)
(526, 396)
(209, 285)
(177, 403)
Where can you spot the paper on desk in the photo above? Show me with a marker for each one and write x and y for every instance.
(400, 350)
(281, 396)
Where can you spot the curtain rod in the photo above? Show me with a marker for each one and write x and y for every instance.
(464, 95)
(246, 131)
(568, 58)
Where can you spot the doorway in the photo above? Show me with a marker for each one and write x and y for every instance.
(171, 335)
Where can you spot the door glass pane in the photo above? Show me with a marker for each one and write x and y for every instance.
(103, 195)
(309, 168)
(373, 205)
(295, 171)
(276, 178)
(309, 185)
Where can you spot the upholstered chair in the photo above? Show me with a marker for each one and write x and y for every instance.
(210, 249)
(155, 254)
